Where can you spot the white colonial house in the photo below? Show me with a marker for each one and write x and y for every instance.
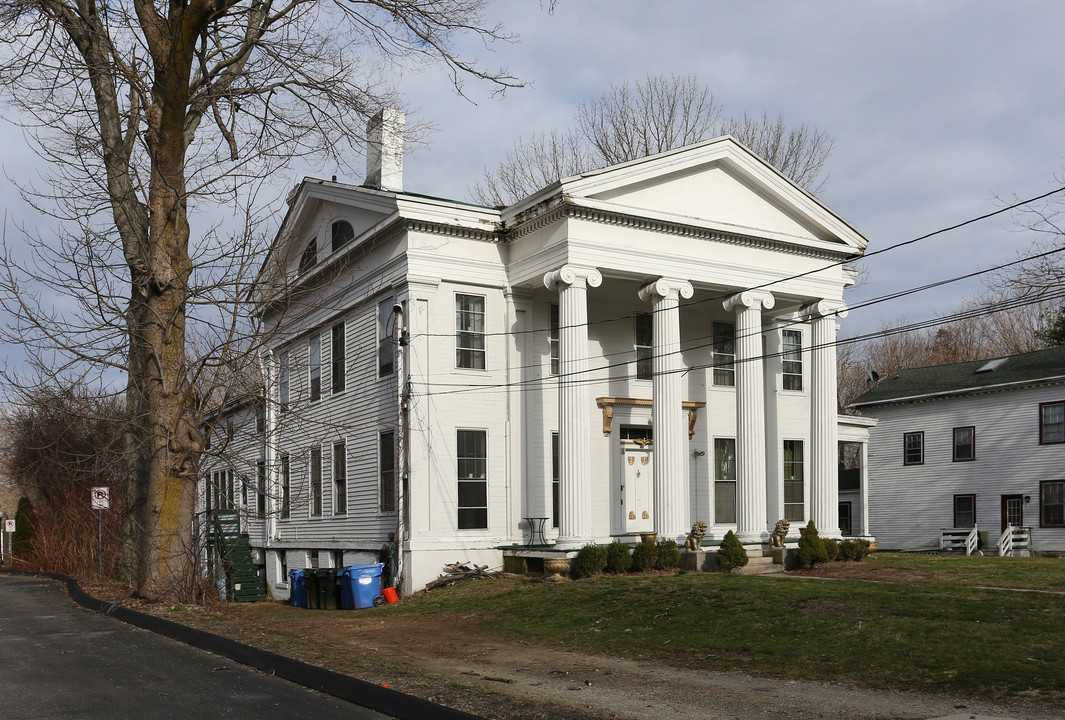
(629, 350)
(974, 444)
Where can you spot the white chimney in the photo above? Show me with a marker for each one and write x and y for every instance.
(384, 150)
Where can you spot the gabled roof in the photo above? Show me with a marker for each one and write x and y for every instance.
(717, 183)
(967, 377)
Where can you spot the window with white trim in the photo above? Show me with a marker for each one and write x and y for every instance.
(791, 353)
(336, 359)
(342, 233)
(644, 343)
(309, 258)
(724, 354)
(340, 479)
(472, 457)
(913, 448)
(724, 480)
(286, 488)
(1051, 423)
(1052, 503)
(314, 366)
(555, 486)
(316, 480)
(282, 379)
(553, 335)
(469, 331)
(386, 471)
(964, 444)
(794, 481)
(386, 333)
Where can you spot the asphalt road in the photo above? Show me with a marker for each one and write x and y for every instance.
(58, 660)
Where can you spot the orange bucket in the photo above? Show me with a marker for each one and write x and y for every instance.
(390, 595)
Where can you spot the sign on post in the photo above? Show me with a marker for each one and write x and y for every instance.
(9, 526)
(101, 498)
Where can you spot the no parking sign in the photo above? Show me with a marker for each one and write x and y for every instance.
(101, 498)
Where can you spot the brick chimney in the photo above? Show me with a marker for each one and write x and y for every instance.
(384, 150)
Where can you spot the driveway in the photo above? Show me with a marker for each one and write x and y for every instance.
(58, 660)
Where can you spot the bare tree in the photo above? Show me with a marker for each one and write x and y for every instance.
(149, 113)
(634, 120)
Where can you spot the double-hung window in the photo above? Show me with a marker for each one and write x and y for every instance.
(794, 481)
(282, 379)
(260, 487)
(1052, 503)
(791, 352)
(913, 448)
(724, 357)
(386, 471)
(314, 366)
(316, 481)
(472, 456)
(555, 480)
(469, 332)
(553, 339)
(340, 479)
(336, 364)
(725, 480)
(964, 511)
(1052, 423)
(286, 491)
(386, 346)
(964, 444)
(644, 346)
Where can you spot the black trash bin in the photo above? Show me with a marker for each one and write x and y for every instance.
(322, 590)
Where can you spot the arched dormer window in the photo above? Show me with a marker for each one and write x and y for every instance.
(309, 258)
(343, 233)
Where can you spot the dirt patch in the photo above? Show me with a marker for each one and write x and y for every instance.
(454, 662)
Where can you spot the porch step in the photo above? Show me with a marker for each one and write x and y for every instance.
(758, 564)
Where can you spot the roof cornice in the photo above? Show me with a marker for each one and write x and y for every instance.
(972, 390)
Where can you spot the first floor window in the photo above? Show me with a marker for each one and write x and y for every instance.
(316, 481)
(724, 354)
(340, 479)
(1051, 423)
(964, 443)
(260, 487)
(1052, 504)
(282, 566)
(913, 448)
(386, 463)
(792, 355)
(794, 483)
(285, 488)
(472, 456)
(554, 480)
(964, 511)
(469, 332)
(644, 346)
(725, 480)
(845, 519)
(849, 471)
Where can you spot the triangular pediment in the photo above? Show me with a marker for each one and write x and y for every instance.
(719, 183)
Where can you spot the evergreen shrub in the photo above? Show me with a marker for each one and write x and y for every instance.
(644, 556)
(618, 557)
(811, 547)
(731, 554)
(668, 555)
(831, 549)
(848, 550)
(590, 560)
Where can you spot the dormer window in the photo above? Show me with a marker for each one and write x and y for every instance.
(343, 233)
(310, 256)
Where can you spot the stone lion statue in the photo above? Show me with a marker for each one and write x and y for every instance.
(776, 539)
(695, 537)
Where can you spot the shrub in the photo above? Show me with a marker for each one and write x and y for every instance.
(863, 548)
(848, 550)
(811, 547)
(644, 556)
(590, 560)
(668, 555)
(618, 557)
(831, 549)
(731, 554)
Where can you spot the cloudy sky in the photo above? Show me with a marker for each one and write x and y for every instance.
(942, 110)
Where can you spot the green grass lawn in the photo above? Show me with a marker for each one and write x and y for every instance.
(1046, 573)
(914, 636)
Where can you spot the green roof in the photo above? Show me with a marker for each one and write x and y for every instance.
(958, 378)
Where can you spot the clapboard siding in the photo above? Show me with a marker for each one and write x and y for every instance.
(909, 504)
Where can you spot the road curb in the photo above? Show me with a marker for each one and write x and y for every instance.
(368, 695)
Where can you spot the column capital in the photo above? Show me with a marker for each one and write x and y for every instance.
(824, 308)
(573, 275)
(756, 299)
(667, 287)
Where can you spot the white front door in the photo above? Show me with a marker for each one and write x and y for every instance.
(636, 491)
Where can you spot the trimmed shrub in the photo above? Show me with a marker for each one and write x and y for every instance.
(590, 560)
(811, 547)
(863, 549)
(644, 556)
(848, 550)
(831, 549)
(731, 554)
(668, 555)
(618, 557)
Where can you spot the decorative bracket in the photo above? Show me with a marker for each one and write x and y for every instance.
(607, 404)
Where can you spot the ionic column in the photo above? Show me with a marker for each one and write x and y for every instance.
(575, 489)
(751, 523)
(824, 428)
(667, 419)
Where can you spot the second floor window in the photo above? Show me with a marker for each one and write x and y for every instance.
(469, 332)
(964, 443)
(282, 379)
(644, 346)
(791, 352)
(913, 448)
(314, 366)
(724, 354)
(337, 358)
(286, 494)
(553, 339)
(386, 346)
(1052, 423)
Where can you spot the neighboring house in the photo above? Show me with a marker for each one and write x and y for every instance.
(976, 443)
(630, 350)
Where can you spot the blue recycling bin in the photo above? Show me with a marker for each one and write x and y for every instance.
(297, 588)
(360, 586)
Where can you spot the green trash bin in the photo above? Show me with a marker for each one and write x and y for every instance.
(322, 590)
